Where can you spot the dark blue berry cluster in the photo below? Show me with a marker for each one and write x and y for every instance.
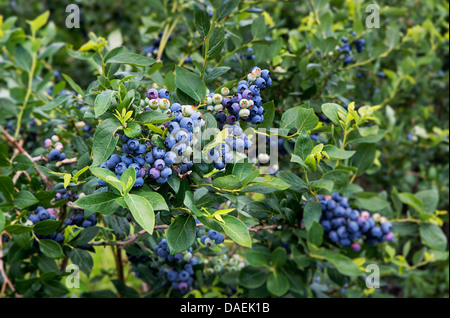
(153, 159)
(346, 47)
(163, 251)
(118, 165)
(56, 154)
(63, 194)
(42, 214)
(350, 227)
(181, 277)
(245, 104)
(212, 238)
(78, 219)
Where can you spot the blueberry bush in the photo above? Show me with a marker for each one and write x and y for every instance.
(224, 148)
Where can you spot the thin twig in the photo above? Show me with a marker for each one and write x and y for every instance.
(18, 146)
(66, 162)
(2, 270)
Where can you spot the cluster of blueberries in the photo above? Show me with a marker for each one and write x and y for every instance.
(180, 271)
(245, 104)
(181, 277)
(78, 219)
(213, 237)
(181, 137)
(346, 48)
(42, 214)
(236, 140)
(351, 227)
(118, 165)
(163, 251)
(56, 154)
(63, 194)
(178, 143)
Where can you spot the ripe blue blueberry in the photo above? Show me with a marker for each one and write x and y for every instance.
(158, 153)
(127, 160)
(43, 215)
(133, 144)
(187, 123)
(120, 168)
(170, 158)
(113, 161)
(34, 218)
(159, 164)
(173, 127)
(166, 172)
(213, 234)
(163, 93)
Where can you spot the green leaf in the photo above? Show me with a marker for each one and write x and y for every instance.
(230, 182)
(51, 249)
(201, 20)
(133, 130)
(104, 202)
(363, 158)
(47, 227)
(153, 117)
(315, 233)
(226, 7)
(2, 221)
(411, 200)
(342, 263)
(40, 21)
(128, 178)
(216, 72)
(306, 119)
(155, 199)
(277, 284)
(332, 110)
(236, 230)
(278, 257)
(312, 212)
(23, 58)
(102, 102)
(142, 211)
(242, 170)
(190, 83)
(7, 188)
(72, 84)
(303, 146)
(18, 229)
(429, 199)
(105, 141)
(255, 258)
(253, 277)
(22, 162)
(131, 59)
(85, 236)
(326, 185)
(337, 154)
(82, 259)
(181, 234)
(259, 28)
(25, 199)
(432, 236)
(109, 177)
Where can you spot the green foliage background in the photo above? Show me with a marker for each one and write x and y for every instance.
(402, 165)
